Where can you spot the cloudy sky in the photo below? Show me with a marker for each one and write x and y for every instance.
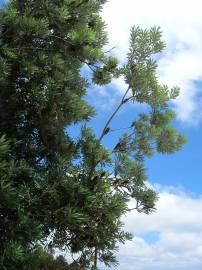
(171, 238)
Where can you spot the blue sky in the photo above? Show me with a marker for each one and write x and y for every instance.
(171, 238)
(2, 2)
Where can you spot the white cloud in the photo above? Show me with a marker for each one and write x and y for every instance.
(182, 30)
(178, 224)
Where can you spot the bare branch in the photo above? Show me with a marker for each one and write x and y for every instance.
(117, 129)
(108, 51)
(114, 113)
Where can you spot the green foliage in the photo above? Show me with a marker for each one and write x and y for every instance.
(56, 190)
(104, 75)
(17, 226)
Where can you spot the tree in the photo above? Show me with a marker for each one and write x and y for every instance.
(56, 190)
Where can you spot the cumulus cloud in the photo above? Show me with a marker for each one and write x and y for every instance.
(182, 27)
(176, 227)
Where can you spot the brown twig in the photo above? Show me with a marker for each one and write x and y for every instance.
(114, 113)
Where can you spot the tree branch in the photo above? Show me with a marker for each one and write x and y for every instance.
(108, 51)
(123, 101)
(114, 113)
(117, 129)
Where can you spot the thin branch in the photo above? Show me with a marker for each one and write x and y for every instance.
(7, 30)
(114, 113)
(117, 129)
(134, 208)
(68, 42)
(95, 258)
(63, 267)
(108, 51)
(89, 65)
(54, 50)
(48, 50)
(122, 102)
(124, 191)
(130, 135)
(62, 39)
(33, 48)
